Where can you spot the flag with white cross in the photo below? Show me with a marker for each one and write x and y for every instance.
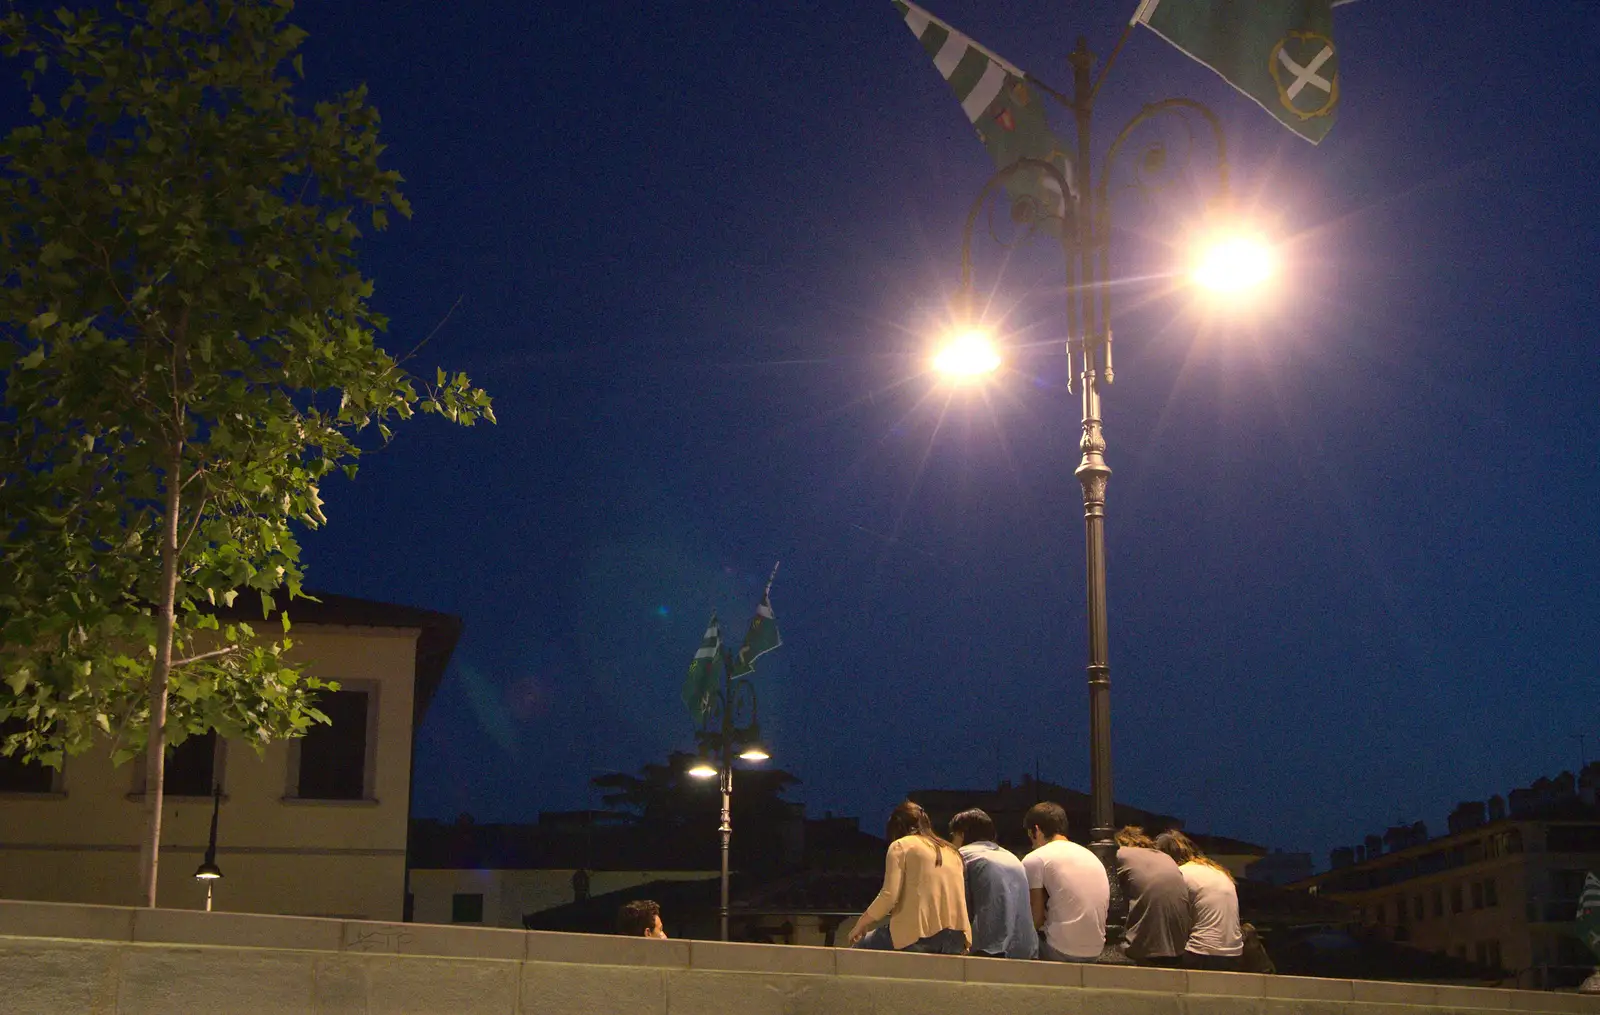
(1278, 52)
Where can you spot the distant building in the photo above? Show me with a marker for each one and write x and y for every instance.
(1008, 802)
(1280, 868)
(314, 826)
(571, 870)
(1500, 889)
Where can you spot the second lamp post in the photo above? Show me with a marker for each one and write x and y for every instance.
(732, 724)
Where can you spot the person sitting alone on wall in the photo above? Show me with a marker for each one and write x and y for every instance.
(641, 918)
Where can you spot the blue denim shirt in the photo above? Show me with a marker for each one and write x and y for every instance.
(997, 902)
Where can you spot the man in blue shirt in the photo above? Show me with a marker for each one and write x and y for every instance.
(997, 891)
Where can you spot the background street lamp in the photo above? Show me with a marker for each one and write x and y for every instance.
(208, 871)
(1231, 262)
(732, 723)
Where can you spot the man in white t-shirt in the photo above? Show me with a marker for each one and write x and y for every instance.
(1068, 888)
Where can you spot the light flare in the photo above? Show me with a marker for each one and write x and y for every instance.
(968, 356)
(1234, 264)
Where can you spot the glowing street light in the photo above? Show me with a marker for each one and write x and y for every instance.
(1234, 263)
(703, 769)
(754, 752)
(967, 357)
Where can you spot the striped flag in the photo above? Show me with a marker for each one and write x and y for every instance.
(1588, 923)
(763, 635)
(700, 688)
(1007, 114)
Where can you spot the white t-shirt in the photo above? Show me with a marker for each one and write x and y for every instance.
(1215, 903)
(1077, 897)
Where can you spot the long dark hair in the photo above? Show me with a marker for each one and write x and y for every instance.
(910, 819)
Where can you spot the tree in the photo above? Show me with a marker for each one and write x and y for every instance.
(188, 353)
(674, 808)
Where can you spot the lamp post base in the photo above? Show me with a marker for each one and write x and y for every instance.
(1591, 985)
(1115, 954)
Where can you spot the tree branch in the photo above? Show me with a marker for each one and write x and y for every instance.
(205, 655)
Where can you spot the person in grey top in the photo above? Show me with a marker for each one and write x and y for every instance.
(1159, 918)
(997, 890)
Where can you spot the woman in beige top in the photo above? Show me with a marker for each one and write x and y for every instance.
(924, 892)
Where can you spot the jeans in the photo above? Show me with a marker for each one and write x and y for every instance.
(946, 942)
(1223, 963)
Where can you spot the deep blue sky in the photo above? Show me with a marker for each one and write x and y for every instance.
(699, 250)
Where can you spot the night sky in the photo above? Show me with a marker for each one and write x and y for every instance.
(700, 251)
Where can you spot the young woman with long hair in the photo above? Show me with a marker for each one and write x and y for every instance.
(924, 892)
(1216, 940)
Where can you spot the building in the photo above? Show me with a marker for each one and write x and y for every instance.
(1500, 889)
(571, 870)
(1280, 868)
(1009, 802)
(313, 826)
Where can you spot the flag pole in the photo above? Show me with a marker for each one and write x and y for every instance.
(1105, 68)
(725, 777)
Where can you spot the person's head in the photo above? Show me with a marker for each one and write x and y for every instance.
(1182, 849)
(1177, 845)
(1133, 835)
(640, 918)
(910, 819)
(1043, 822)
(971, 826)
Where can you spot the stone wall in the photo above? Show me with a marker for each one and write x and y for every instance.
(70, 959)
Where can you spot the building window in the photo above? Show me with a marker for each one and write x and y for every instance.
(18, 776)
(1455, 899)
(1438, 902)
(1417, 909)
(1477, 895)
(333, 757)
(466, 907)
(1491, 895)
(191, 767)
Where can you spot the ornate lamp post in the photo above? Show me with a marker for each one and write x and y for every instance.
(731, 723)
(1085, 244)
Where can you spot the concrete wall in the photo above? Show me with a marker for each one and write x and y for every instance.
(68, 959)
(278, 854)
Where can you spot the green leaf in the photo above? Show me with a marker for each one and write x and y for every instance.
(32, 360)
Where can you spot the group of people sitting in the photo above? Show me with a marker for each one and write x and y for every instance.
(969, 895)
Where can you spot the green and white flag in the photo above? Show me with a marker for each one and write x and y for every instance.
(1278, 52)
(1007, 115)
(700, 689)
(1588, 923)
(763, 635)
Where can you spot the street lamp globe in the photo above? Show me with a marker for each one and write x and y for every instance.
(968, 356)
(1233, 263)
(208, 871)
(702, 769)
(754, 752)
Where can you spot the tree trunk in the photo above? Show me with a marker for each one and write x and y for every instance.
(155, 757)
